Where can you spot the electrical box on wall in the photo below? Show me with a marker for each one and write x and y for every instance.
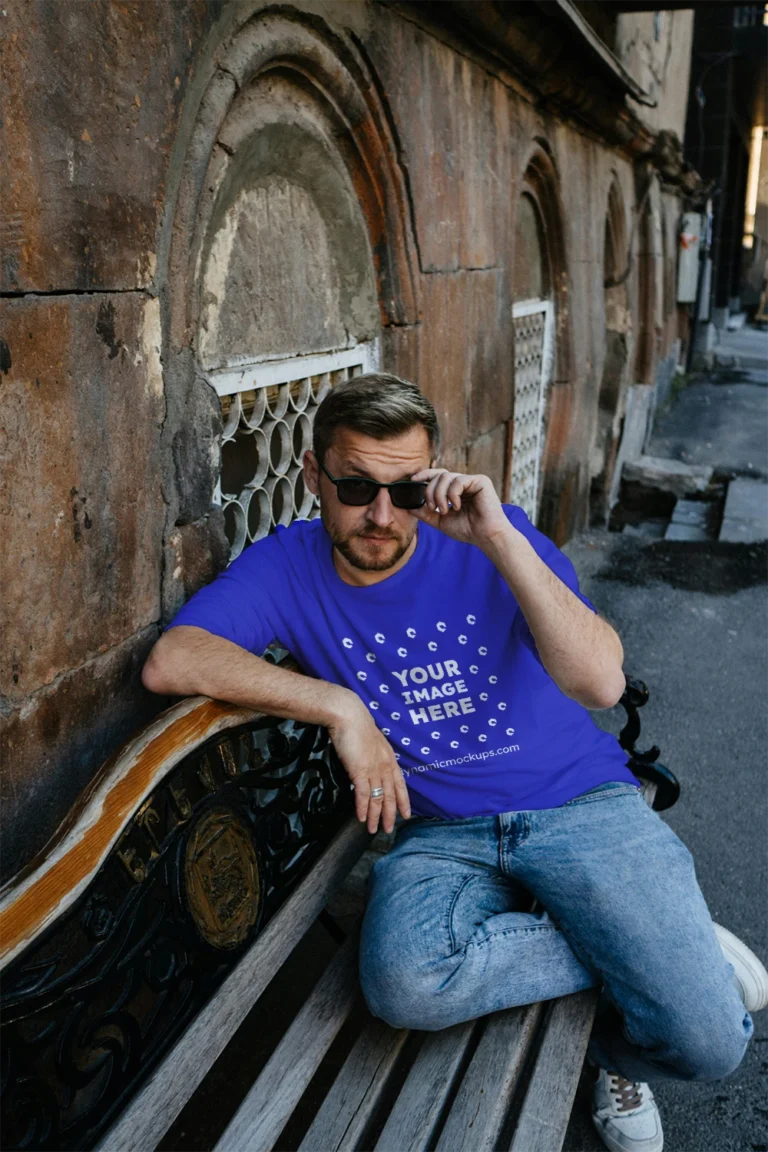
(688, 257)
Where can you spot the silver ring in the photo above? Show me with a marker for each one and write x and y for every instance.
(376, 792)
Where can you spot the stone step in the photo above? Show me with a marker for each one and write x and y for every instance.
(692, 512)
(672, 476)
(745, 519)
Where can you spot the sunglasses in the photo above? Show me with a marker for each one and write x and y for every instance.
(357, 491)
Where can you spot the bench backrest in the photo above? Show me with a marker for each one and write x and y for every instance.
(164, 886)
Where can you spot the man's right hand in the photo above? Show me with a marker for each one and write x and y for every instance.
(370, 763)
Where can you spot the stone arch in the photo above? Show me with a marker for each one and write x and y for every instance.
(618, 347)
(287, 176)
(539, 200)
(650, 291)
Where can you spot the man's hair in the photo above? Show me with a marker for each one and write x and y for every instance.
(376, 405)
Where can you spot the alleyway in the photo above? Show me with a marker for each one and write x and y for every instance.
(692, 616)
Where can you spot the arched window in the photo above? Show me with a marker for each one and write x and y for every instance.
(288, 249)
(533, 316)
(288, 304)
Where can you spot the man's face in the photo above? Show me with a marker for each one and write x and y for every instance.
(375, 537)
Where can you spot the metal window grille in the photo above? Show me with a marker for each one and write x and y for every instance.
(268, 410)
(533, 322)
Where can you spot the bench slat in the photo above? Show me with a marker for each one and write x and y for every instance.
(411, 1123)
(544, 1116)
(157, 1104)
(356, 1093)
(277, 1090)
(481, 1105)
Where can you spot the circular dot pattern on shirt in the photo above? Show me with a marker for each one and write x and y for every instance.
(435, 735)
(410, 632)
(483, 738)
(483, 695)
(464, 728)
(383, 688)
(362, 676)
(492, 679)
(347, 642)
(402, 651)
(471, 619)
(473, 668)
(440, 626)
(370, 657)
(510, 731)
(502, 707)
(406, 739)
(454, 743)
(379, 637)
(462, 639)
(425, 751)
(483, 651)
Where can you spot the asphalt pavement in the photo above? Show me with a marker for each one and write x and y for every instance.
(693, 618)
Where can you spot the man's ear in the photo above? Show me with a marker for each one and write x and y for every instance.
(311, 472)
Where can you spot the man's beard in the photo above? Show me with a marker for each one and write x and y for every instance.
(353, 553)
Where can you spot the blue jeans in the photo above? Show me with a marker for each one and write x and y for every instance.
(449, 933)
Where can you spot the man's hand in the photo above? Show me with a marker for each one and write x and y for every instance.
(187, 660)
(466, 508)
(370, 763)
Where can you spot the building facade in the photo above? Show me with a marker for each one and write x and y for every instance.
(213, 211)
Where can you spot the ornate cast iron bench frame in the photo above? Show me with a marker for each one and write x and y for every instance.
(138, 942)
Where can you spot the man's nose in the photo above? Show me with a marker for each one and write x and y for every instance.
(380, 511)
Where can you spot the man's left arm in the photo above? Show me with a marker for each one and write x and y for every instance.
(580, 651)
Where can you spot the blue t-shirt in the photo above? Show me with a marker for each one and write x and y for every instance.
(441, 654)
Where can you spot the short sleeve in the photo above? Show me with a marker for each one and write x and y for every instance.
(554, 559)
(239, 604)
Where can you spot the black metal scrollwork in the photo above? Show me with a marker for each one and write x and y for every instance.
(646, 764)
(91, 1006)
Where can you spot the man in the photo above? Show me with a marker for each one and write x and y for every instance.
(453, 659)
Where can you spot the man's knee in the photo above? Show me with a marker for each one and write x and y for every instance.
(710, 1048)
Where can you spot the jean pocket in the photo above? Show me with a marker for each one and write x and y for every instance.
(607, 791)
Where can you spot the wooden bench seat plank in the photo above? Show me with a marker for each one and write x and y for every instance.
(412, 1121)
(157, 1104)
(544, 1116)
(356, 1094)
(277, 1090)
(482, 1103)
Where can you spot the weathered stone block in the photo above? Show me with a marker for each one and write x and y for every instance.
(89, 108)
(672, 476)
(453, 123)
(194, 555)
(81, 505)
(490, 353)
(51, 746)
(487, 455)
(444, 353)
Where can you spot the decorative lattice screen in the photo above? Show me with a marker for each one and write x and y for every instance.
(268, 410)
(533, 355)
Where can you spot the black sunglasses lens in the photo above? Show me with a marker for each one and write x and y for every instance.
(407, 495)
(357, 492)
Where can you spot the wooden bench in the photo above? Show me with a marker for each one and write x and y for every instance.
(137, 944)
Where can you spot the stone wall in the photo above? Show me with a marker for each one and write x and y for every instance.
(120, 125)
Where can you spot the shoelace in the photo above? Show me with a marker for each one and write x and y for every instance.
(627, 1093)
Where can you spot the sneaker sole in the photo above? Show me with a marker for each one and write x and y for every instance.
(751, 975)
(654, 1145)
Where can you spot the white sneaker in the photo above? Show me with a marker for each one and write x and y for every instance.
(625, 1114)
(750, 975)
